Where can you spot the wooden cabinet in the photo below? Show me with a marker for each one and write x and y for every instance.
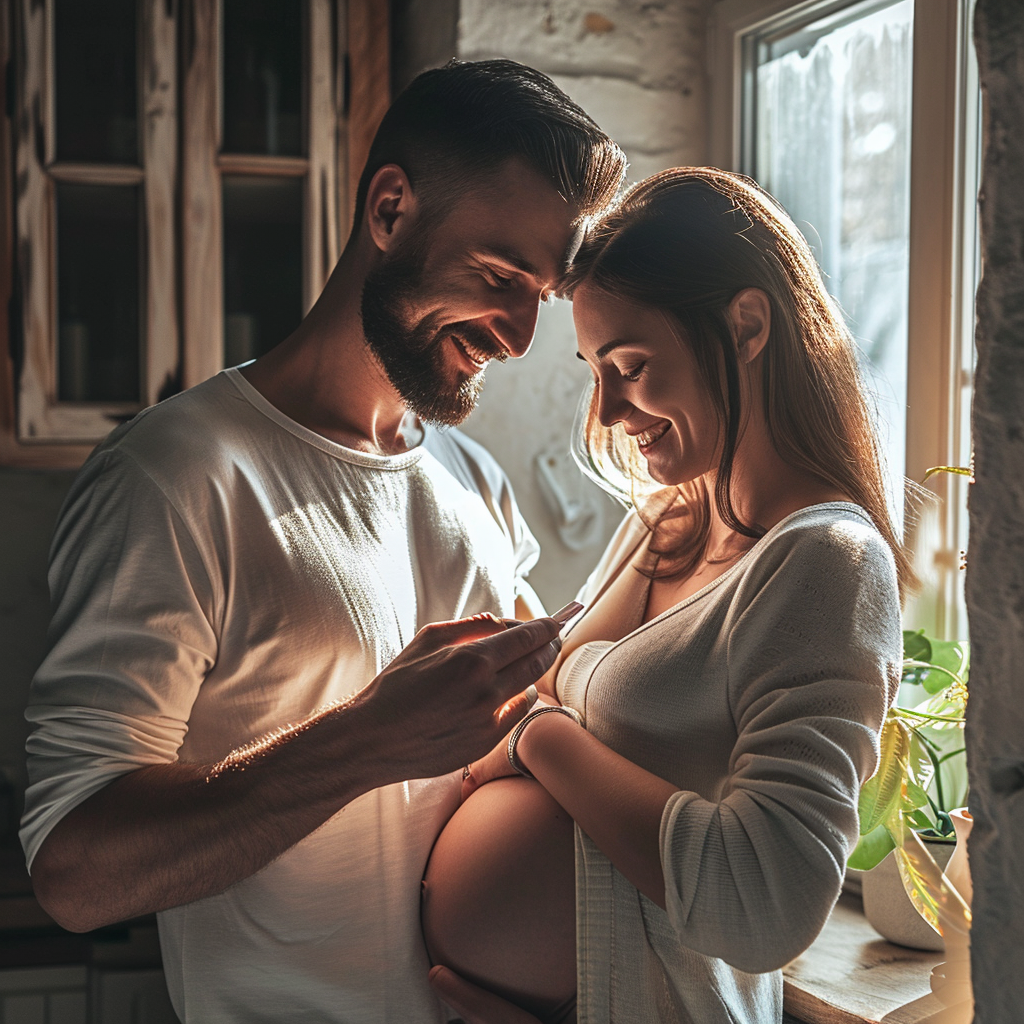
(182, 182)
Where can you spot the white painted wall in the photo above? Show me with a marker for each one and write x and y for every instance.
(639, 69)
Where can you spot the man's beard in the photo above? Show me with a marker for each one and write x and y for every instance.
(412, 355)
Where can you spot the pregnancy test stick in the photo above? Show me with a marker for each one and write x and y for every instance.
(563, 615)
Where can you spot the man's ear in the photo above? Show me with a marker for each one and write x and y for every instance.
(750, 314)
(391, 207)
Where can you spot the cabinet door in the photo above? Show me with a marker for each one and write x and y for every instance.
(43, 995)
(131, 997)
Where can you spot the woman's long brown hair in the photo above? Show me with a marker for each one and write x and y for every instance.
(685, 241)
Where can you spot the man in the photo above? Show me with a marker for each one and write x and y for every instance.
(274, 542)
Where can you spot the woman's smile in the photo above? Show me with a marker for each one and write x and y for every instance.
(648, 438)
(648, 380)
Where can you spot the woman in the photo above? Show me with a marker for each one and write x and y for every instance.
(739, 649)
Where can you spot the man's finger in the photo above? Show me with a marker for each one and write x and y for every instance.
(511, 645)
(476, 1005)
(463, 631)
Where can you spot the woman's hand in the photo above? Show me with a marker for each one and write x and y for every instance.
(477, 1005)
(495, 764)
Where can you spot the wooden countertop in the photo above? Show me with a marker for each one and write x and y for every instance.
(851, 975)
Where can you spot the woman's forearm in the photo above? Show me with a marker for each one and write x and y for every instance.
(617, 803)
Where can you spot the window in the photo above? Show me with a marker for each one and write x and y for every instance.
(862, 118)
(181, 171)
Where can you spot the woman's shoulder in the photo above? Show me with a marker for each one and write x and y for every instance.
(834, 531)
(822, 556)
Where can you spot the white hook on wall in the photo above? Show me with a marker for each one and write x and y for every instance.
(572, 501)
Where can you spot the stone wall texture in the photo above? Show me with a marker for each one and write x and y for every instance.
(995, 571)
(639, 69)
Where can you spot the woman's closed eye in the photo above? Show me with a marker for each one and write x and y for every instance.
(633, 373)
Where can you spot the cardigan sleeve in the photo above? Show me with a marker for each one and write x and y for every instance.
(813, 648)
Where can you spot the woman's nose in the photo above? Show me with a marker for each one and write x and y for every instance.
(611, 406)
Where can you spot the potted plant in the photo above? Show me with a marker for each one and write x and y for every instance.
(921, 778)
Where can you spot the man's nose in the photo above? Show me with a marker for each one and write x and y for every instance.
(516, 323)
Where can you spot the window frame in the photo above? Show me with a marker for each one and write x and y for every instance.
(943, 211)
(346, 94)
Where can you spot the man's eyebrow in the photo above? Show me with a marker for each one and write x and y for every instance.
(511, 257)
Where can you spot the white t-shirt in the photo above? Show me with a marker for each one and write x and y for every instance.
(219, 571)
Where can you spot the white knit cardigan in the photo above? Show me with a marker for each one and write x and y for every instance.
(760, 697)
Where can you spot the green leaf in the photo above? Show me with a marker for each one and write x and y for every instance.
(950, 654)
(871, 849)
(880, 795)
(916, 645)
(919, 821)
(947, 704)
(922, 656)
(958, 470)
(914, 797)
(920, 767)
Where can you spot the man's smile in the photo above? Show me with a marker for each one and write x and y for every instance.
(476, 358)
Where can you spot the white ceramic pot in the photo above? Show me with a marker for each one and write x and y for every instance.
(888, 908)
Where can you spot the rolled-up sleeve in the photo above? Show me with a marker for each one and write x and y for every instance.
(131, 639)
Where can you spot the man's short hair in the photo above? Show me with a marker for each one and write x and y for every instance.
(453, 125)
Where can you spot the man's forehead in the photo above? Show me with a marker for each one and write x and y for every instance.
(525, 223)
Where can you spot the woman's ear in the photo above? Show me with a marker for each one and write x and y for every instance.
(391, 207)
(750, 314)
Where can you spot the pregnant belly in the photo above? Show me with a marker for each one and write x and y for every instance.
(499, 896)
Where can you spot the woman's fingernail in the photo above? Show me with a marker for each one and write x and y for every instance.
(563, 615)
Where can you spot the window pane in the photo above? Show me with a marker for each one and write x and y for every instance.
(262, 264)
(95, 69)
(263, 77)
(832, 143)
(99, 330)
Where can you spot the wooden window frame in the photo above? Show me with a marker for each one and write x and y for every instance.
(182, 291)
(943, 210)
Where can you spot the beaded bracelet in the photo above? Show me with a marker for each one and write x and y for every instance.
(518, 731)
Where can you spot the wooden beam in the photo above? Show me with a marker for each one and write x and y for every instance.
(262, 165)
(202, 273)
(369, 86)
(322, 188)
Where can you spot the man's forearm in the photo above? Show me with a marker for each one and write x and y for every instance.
(170, 834)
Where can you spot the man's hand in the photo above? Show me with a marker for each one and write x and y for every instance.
(477, 1005)
(169, 834)
(456, 690)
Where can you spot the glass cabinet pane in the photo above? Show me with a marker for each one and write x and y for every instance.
(262, 77)
(262, 263)
(99, 331)
(832, 144)
(95, 64)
